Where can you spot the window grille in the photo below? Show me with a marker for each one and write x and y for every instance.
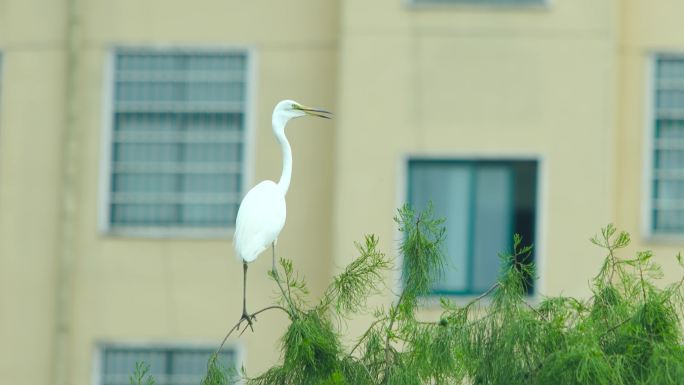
(168, 365)
(668, 146)
(178, 139)
(484, 204)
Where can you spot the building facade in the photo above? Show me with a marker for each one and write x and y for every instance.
(129, 131)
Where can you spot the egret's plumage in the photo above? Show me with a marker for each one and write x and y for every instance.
(264, 204)
(261, 215)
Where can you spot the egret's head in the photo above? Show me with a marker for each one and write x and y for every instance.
(289, 109)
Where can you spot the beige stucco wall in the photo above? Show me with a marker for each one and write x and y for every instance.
(31, 118)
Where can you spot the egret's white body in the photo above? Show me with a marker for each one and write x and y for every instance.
(262, 213)
(259, 221)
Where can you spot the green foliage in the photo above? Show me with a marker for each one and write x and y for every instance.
(217, 373)
(141, 375)
(421, 252)
(628, 332)
(361, 278)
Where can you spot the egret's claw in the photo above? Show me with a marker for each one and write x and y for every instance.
(250, 321)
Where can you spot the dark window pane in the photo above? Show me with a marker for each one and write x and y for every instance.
(484, 204)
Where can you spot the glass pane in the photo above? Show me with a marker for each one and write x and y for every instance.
(146, 122)
(145, 183)
(670, 68)
(144, 214)
(146, 152)
(669, 189)
(150, 91)
(669, 159)
(212, 152)
(214, 62)
(213, 122)
(213, 91)
(667, 128)
(492, 223)
(211, 183)
(669, 221)
(448, 187)
(209, 214)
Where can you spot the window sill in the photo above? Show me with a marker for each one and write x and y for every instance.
(432, 302)
(665, 239)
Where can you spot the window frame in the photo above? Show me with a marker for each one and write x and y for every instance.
(107, 123)
(462, 4)
(237, 349)
(432, 300)
(648, 157)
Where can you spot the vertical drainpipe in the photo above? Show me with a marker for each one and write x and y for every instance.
(67, 200)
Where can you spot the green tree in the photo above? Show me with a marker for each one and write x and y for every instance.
(628, 332)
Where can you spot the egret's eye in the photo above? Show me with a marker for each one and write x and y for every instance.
(295, 107)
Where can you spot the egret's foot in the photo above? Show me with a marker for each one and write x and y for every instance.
(249, 318)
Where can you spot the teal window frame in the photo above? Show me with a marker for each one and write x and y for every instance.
(472, 165)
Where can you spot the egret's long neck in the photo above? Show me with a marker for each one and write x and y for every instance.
(279, 131)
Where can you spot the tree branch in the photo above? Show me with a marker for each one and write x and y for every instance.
(479, 297)
(614, 328)
(377, 321)
(276, 277)
(393, 316)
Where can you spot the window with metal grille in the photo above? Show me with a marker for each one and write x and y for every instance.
(168, 365)
(484, 202)
(483, 2)
(178, 139)
(667, 209)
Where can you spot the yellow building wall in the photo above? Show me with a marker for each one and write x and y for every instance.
(31, 120)
(647, 29)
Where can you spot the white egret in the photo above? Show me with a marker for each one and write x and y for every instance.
(261, 215)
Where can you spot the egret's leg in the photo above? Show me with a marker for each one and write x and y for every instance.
(244, 288)
(273, 268)
(245, 315)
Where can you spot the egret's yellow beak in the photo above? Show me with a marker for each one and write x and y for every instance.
(314, 111)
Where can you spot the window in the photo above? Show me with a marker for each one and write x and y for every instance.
(667, 209)
(178, 139)
(483, 2)
(484, 203)
(168, 365)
